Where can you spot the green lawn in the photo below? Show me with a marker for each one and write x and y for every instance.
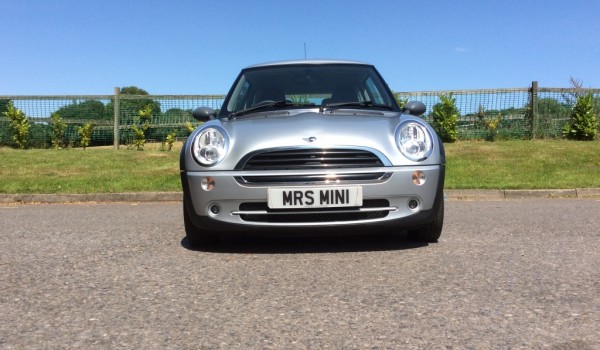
(88, 171)
(548, 164)
(470, 164)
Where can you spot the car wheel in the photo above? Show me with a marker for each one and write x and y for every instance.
(432, 232)
(196, 236)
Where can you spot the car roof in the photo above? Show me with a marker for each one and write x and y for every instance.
(315, 62)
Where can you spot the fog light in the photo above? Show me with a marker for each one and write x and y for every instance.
(208, 183)
(413, 204)
(418, 177)
(215, 209)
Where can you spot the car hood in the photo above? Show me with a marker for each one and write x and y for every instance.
(338, 129)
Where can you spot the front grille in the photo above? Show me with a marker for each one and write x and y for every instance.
(321, 215)
(310, 159)
(313, 158)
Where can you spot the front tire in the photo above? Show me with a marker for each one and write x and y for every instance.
(432, 232)
(196, 236)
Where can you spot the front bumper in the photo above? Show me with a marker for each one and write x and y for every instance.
(237, 206)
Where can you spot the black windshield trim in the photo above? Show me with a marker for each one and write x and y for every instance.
(358, 105)
(388, 105)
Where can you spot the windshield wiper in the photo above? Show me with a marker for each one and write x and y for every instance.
(365, 104)
(262, 105)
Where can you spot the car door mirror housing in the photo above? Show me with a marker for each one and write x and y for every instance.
(204, 114)
(415, 108)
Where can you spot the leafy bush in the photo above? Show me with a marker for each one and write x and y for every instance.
(445, 116)
(58, 136)
(401, 101)
(18, 124)
(491, 125)
(85, 134)
(171, 138)
(139, 138)
(139, 132)
(583, 121)
(189, 127)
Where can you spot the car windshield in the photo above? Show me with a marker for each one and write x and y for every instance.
(301, 86)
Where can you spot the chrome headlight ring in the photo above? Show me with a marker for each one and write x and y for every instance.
(414, 140)
(210, 145)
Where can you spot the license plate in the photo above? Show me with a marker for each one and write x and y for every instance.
(316, 197)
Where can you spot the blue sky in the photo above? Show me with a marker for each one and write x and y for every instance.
(64, 47)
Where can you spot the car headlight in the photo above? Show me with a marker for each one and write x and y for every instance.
(414, 141)
(210, 146)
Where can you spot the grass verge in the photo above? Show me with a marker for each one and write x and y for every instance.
(470, 164)
(88, 171)
(546, 164)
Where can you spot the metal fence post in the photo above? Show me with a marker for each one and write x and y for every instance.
(117, 116)
(535, 119)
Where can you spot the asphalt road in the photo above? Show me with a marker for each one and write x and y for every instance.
(505, 274)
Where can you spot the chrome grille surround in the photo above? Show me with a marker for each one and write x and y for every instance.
(321, 162)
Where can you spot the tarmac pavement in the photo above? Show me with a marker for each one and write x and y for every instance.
(506, 274)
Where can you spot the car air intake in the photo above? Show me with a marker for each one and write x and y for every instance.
(259, 212)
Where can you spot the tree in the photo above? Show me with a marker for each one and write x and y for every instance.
(130, 107)
(547, 107)
(4, 105)
(133, 90)
(175, 115)
(86, 110)
(576, 91)
(4, 132)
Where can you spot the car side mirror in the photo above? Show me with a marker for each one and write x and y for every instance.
(204, 114)
(415, 108)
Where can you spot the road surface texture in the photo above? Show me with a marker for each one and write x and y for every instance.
(505, 275)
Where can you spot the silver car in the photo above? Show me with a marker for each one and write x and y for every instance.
(312, 147)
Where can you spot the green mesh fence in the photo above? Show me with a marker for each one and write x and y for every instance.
(554, 105)
(169, 114)
(478, 106)
(522, 114)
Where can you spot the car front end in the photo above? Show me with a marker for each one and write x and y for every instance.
(312, 166)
